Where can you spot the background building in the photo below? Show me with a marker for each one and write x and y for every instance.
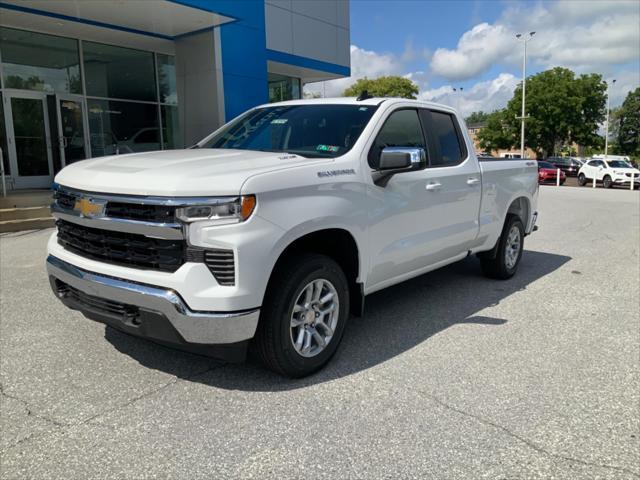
(81, 79)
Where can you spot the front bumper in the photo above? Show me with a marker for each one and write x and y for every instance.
(145, 310)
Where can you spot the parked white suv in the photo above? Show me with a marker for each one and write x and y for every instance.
(274, 228)
(609, 172)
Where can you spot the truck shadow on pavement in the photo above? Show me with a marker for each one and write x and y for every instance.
(396, 320)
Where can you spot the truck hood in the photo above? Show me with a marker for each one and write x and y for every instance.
(192, 172)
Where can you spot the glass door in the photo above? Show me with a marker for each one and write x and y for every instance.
(29, 143)
(72, 140)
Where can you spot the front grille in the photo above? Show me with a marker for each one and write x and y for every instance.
(140, 212)
(119, 248)
(101, 305)
(127, 211)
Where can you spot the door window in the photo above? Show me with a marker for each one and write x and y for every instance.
(448, 142)
(401, 129)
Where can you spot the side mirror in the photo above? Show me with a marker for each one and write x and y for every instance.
(402, 159)
(398, 160)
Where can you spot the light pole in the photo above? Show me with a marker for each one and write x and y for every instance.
(457, 97)
(606, 128)
(522, 38)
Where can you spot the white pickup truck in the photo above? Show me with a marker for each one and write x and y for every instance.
(272, 230)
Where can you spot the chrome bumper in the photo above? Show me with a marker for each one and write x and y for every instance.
(194, 326)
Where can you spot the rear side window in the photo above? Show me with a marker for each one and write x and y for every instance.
(401, 129)
(447, 140)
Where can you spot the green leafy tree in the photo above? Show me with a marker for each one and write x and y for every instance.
(498, 133)
(390, 86)
(628, 125)
(477, 117)
(563, 109)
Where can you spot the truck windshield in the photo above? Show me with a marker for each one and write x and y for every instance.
(313, 131)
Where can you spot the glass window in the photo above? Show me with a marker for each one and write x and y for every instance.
(117, 72)
(35, 61)
(401, 129)
(122, 127)
(3, 140)
(307, 130)
(283, 88)
(170, 127)
(446, 138)
(167, 79)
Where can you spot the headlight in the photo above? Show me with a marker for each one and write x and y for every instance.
(235, 210)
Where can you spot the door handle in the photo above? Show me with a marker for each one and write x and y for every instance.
(433, 186)
(473, 181)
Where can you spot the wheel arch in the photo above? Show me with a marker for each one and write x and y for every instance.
(337, 243)
(520, 207)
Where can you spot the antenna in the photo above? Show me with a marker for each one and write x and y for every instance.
(363, 96)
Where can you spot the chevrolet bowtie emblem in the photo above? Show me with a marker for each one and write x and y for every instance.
(88, 208)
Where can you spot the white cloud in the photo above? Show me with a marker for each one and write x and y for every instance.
(477, 50)
(584, 36)
(486, 96)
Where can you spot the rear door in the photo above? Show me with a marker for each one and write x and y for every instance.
(455, 169)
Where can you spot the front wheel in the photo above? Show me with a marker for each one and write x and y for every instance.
(582, 180)
(303, 316)
(606, 182)
(510, 246)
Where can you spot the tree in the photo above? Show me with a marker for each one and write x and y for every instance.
(477, 117)
(563, 109)
(628, 141)
(391, 86)
(497, 133)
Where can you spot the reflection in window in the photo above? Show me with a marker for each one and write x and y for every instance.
(170, 127)
(167, 79)
(35, 61)
(122, 127)
(283, 88)
(118, 72)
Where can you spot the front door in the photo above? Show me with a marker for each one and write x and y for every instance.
(29, 141)
(72, 141)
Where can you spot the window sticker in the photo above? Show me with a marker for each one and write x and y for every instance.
(327, 148)
(363, 109)
(279, 121)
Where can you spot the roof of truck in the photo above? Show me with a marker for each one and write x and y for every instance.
(354, 101)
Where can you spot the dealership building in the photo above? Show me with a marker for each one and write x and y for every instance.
(82, 79)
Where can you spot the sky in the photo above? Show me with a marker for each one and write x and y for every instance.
(470, 46)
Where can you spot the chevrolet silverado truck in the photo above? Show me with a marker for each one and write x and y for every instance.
(270, 232)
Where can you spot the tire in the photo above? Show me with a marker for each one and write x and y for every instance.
(502, 267)
(562, 182)
(274, 342)
(606, 182)
(582, 180)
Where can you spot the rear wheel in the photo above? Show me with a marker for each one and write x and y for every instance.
(582, 180)
(606, 182)
(303, 316)
(510, 246)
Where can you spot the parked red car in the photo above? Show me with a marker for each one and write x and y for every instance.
(548, 173)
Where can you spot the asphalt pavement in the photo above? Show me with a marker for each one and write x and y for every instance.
(449, 375)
